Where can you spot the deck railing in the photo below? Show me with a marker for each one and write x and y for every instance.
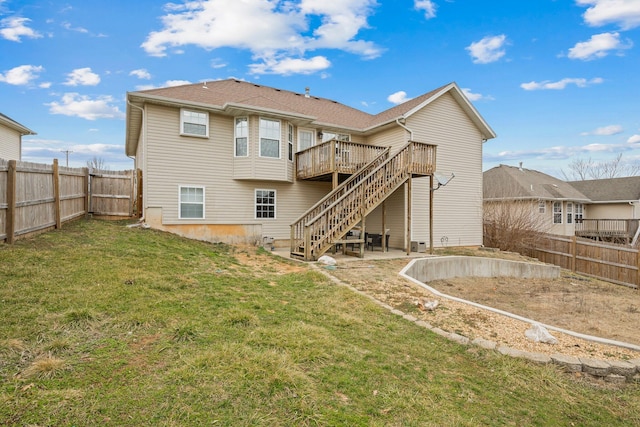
(334, 156)
(314, 232)
(606, 227)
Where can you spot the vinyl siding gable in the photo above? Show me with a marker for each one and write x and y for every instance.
(458, 205)
(10, 143)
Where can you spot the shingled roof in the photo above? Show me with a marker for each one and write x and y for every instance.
(610, 190)
(232, 96)
(8, 121)
(516, 183)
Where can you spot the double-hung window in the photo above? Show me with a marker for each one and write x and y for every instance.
(194, 123)
(265, 204)
(557, 212)
(542, 207)
(242, 137)
(290, 139)
(569, 213)
(579, 212)
(191, 202)
(270, 138)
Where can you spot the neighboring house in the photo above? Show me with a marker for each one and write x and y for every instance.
(555, 204)
(612, 198)
(11, 133)
(233, 161)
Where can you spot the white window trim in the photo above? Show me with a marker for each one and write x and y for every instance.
(182, 122)
(260, 139)
(313, 137)
(570, 213)
(255, 204)
(553, 218)
(180, 187)
(290, 141)
(236, 136)
(542, 206)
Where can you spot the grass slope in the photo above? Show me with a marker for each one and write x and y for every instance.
(108, 325)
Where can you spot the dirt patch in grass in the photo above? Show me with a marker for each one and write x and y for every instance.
(572, 302)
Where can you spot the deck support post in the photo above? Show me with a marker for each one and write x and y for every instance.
(431, 214)
(408, 236)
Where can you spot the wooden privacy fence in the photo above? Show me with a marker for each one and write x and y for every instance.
(613, 263)
(35, 197)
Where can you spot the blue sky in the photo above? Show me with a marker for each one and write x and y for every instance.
(556, 79)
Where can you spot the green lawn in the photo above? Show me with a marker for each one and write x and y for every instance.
(108, 325)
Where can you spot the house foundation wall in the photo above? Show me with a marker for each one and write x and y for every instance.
(232, 234)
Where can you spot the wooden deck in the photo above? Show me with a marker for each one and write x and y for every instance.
(327, 222)
(607, 230)
(322, 161)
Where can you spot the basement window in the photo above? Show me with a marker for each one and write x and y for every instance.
(191, 202)
(265, 204)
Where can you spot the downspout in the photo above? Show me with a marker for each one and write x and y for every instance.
(405, 128)
(144, 142)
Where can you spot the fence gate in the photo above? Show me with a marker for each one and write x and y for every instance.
(111, 193)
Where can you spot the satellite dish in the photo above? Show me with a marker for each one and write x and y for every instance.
(443, 179)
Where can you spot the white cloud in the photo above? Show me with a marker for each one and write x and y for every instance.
(67, 26)
(15, 27)
(168, 83)
(563, 152)
(428, 6)
(489, 49)
(634, 139)
(273, 32)
(288, 66)
(605, 131)
(475, 96)
(625, 13)
(82, 77)
(217, 63)
(561, 84)
(74, 104)
(141, 73)
(598, 46)
(171, 83)
(22, 75)
(398, 97)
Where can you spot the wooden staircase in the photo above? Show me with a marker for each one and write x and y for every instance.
(329, 220)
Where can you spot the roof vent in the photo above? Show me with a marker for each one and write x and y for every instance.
(306, 92)
(520, 166)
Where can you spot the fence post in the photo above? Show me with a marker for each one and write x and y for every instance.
(56, 193)
(573, 254)
(638, 268)
(87, 199)
(11, 202)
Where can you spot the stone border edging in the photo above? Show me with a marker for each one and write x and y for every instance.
(612, 371)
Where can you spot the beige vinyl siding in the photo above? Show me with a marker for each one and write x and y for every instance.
(458, 205)
(10, 141)
(395, 218)
(395, 137)
(173, 160)
(610, 211)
